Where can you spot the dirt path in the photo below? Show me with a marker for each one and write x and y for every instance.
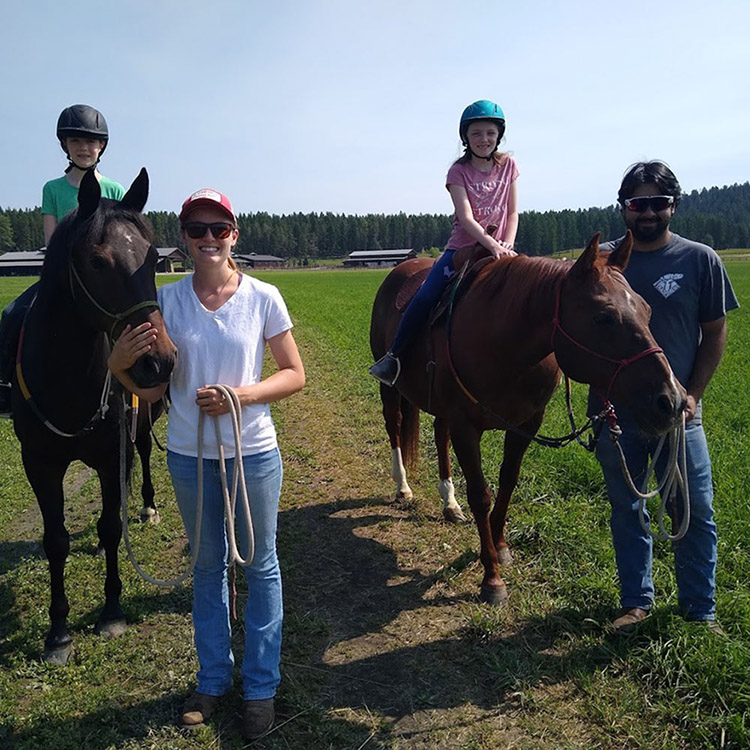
(385, 595)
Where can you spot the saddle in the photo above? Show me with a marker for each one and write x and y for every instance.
(468, 262)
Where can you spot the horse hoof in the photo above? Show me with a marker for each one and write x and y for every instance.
(150, 515)
(454, 515)
(495, 596)
(404, 496)
(111, 629)
(100, 551)
(504, 556)
(58, 655)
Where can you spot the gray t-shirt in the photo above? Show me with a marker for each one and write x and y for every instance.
(686, 285)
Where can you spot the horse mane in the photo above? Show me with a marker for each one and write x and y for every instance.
(70, 232)
(517, 284)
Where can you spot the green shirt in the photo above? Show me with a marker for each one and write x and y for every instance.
(59, 197)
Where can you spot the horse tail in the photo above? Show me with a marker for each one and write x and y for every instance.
(409, 437)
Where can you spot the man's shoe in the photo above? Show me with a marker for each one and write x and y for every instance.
(386, 369)
(257, 718)
(628, 620)
(198, 709)
(712, 626)
(5, 401)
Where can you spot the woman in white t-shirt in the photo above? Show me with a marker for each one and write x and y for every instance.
(221, 321)
(482, 186)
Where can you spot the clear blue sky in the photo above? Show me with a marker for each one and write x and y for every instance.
(352, 107)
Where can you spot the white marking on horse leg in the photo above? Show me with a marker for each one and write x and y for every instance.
(398, 474)
(451, 509)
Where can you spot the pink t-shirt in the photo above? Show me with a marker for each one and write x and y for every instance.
(488, 194)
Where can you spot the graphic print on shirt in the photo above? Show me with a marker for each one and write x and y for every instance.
(667, 285)
(484, 193)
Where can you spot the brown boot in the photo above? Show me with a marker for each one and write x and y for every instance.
(628, 620)
(257, 718)
(198, 709)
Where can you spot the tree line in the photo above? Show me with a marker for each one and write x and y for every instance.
(720, 217)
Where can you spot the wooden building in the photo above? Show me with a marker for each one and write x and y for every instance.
(255, 260)
(377, 258)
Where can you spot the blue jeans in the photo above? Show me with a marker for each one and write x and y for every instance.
(264, 609)
(694, 554)
(424, 300)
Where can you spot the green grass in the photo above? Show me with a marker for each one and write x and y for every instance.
(545, 665)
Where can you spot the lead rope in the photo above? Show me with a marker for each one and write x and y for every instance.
(673, 480)
(235, 411)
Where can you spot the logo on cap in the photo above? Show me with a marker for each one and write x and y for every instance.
(211, 195)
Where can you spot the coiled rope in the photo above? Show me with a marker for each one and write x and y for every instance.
(673, 480)
(230, 500)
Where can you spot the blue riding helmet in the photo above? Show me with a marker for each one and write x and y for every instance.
(482, 110)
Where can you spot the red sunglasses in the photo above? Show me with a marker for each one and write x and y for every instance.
(657, 203)
(197, 229)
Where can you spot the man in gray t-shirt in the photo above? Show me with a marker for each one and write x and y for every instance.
(687, 287)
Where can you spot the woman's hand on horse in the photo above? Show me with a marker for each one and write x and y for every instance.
(211, 401)
(501, 249)
(131, 346)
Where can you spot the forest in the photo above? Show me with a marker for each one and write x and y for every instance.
(718, 216)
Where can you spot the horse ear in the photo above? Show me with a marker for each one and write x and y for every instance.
(620, 256)
(89, 195)
(137, 194)
(586, 262)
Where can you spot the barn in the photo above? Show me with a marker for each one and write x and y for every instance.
(376, 258)
(256, 260)
(22, 263)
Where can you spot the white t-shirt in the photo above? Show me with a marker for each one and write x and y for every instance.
(223, 346)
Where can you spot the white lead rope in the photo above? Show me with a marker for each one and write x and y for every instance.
(235, 411)
(673, 480)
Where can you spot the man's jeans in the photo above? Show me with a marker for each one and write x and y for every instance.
(263, 612)
(695, 553)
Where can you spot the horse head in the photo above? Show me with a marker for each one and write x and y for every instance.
(602, 338)
(112, 267)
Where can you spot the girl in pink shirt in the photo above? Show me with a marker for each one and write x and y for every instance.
(482, 186)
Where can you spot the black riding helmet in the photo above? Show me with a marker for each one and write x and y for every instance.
(82, 121)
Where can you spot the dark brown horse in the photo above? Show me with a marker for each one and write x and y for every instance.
(98, 277)
(520, 321)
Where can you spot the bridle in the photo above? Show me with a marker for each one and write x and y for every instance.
(115, 317)
(621, 364)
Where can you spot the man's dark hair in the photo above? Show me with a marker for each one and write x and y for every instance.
(649, 173)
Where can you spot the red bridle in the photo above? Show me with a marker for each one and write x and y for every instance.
(620, 363)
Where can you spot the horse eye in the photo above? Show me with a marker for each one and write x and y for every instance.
(604, 318)
(98, 263)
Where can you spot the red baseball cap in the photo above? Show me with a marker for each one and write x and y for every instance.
(207, 197)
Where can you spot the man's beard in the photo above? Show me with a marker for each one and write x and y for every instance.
(650, 232)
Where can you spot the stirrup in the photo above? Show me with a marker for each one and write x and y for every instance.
(386, 369)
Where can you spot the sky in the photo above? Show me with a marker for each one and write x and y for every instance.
(353, 107)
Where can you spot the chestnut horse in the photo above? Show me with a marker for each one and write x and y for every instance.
(519, 321)
(98, 277)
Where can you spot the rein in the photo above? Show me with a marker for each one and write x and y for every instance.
(594, 423)
(116, 318)
(99, 414)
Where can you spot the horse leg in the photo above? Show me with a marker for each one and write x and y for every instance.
(451, 509)
(466, 440)
(46, 479)
(391, 399)
(111, 621)
(513, 452)
(149, 513)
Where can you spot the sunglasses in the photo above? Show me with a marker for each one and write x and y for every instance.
(197, 229)
(657, 203)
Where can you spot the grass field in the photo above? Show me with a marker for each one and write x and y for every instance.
(385, 645)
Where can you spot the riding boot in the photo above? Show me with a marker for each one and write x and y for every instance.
(386, 369)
